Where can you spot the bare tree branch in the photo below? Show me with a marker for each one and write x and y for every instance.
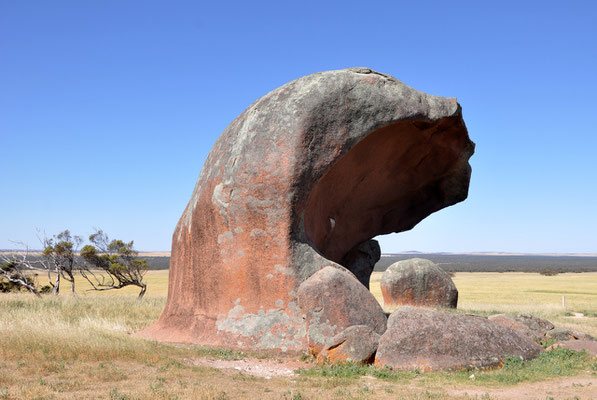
(14, 268)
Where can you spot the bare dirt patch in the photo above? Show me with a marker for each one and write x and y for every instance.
(263, 368)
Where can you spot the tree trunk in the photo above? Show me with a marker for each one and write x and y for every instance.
(143, 289)
(71, 279)
(72, 287)
(56, 285)
(33, 290)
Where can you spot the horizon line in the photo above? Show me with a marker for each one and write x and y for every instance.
(407, 252)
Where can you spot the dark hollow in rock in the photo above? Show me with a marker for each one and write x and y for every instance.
(307, 173)
(418, 282)
(429, 340)
(333, 300)
(356, 344)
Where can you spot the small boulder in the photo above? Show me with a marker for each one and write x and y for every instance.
(425, 339)
(332, 300)
(418, 282)
(533, 327)
(356, 344)
(565, 334)
(590, 346)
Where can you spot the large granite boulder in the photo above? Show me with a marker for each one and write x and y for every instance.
(332, 300)
(533, 327)
(304, 175)
(418, 282)
(428, 340)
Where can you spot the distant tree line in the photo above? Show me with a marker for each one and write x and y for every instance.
(543, 264)
(106, 264)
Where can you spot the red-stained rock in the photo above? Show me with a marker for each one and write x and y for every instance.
(429, 340)
(590, 346)
(303, 176)
(533, 327)
(332, 300)
(355, 344)
(418, 282)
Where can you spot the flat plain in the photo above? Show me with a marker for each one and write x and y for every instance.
(79, 348)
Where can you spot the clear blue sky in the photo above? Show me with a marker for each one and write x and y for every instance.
(108, 109)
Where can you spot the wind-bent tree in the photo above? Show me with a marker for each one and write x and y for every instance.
(13, 271)
(60, 257)
(118, 261)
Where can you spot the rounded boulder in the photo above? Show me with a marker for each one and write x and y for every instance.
(418, 282)
(356, 344)
(429, 340)
(331, 301)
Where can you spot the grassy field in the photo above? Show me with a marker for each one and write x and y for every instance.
(54, 348)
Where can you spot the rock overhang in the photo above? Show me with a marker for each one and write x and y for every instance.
(389, 181)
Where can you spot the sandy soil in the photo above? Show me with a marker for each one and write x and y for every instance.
(579, 387)
(263, 368)
(563, 388)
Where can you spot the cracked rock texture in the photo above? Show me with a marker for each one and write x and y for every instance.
(333, 300)
(428, 340)
(301, 178)
(418, 282)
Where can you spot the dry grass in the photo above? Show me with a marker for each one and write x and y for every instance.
(55, 348)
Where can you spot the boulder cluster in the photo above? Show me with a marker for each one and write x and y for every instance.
(345, 323)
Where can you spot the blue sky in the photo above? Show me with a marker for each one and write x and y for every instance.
(108, 109)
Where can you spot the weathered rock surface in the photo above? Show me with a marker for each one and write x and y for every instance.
(590, 346)
(305, 174)
(361, 260)
(426, 339)
(333, 300)
(418, 282)
(565, 334)
(356, 344)
(533, 327)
